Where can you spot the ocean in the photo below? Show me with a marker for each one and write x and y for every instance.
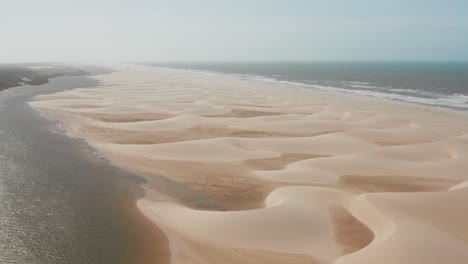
(443, 84)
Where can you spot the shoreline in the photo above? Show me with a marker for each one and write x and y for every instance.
(221, 136)
(12, 75)
(378, 95)
(85, 208)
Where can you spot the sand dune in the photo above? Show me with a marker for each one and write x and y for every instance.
(244, 171)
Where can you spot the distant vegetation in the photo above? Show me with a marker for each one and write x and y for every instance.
(17, 75)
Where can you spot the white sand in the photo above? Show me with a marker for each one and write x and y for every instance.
(299, 176)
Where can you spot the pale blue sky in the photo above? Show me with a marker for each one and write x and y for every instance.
(237, 30)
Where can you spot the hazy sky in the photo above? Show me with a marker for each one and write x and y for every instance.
(239, 30)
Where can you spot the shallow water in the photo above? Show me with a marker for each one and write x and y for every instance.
(58, 202)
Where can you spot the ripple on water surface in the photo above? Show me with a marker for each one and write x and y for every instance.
(58, 203)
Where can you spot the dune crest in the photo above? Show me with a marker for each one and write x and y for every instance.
(244, 171)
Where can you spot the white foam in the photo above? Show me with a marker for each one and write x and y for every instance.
(456, 101)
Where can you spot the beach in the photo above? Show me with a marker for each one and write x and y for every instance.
(249, 171)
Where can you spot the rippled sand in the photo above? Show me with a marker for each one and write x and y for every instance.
(259, 172)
